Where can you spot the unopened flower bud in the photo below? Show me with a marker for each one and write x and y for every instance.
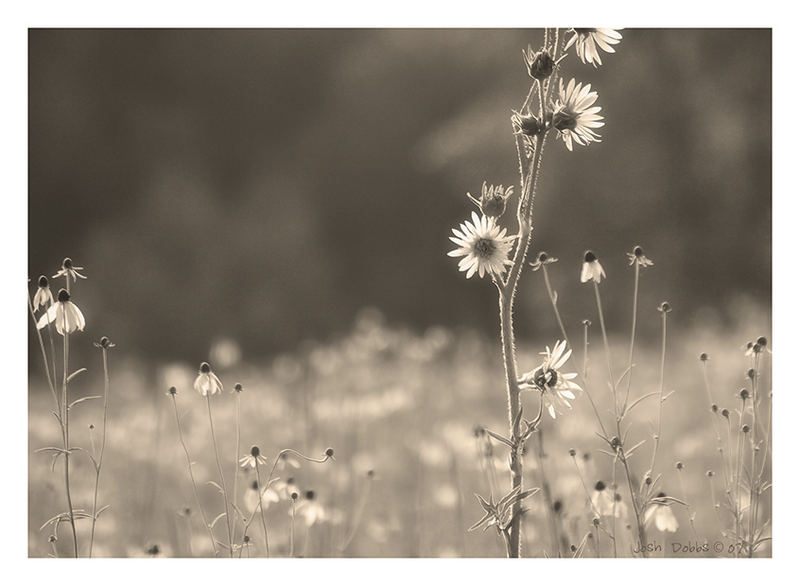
(572, 452)
(648, 480)
(714, 408)
(745, 428)
(540, 64)
(238, 387)
(751, 374)
(665, 307)
(725, 413)
(329, 453)
(744, 394)
(679, 465)
(710, 473)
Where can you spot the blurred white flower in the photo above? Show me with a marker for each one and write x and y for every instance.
(591, 269)
(556, 387)
(484, 246)
(608, 503)
(587, 41)
(207, 382)
(65, 314)
(310, 510)
(574, 117)
(43, 296)
(225, 353)
(660, 514)
(251, 497)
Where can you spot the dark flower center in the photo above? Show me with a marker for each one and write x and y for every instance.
(544, 379)
(42, 281)
(63, 296)
(485, 248)
(589, 256)
(205, 368)
(563, 120)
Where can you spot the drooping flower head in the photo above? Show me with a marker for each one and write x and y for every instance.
(252, 459)
(588, 40)
(207, 383)
(43, 296)
(591, 270)
(69, 270)
(484, 246)
(556, 387)
(574, 117)
(542, 259)
(637, 256)
(660, 514)
(311, 510)
(65, 314)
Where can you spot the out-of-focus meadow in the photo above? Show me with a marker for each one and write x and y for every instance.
(279, 202)
(403, 405)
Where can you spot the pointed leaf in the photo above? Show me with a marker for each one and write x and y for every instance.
(74, 374)
(500, 438)
(217, 518)
(82, 399)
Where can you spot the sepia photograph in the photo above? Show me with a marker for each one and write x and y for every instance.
(374, 292)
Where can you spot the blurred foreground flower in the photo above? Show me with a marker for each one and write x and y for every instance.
(556, 387)
(574, 117)
(587, 40)
(607, 502)
(484, 246)
(207, 382)
(65, 314)
(310, 509)
(660, 514)
(251, 497)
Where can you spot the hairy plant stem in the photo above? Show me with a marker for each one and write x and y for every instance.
(221, 475)
(99, 462)
(191, 477)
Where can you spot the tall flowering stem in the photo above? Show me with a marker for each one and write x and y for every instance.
(104, 346)
(221, 476)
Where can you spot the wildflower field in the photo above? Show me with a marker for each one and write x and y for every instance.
(576, 411)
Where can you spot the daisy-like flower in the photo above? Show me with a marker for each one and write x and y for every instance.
(591, 270)
(484, 246)
(588, 40)
(252, 459)
(207, 382)
(574, 117)
(607, 502)
(637, 256)
(310, 509)
(65, 314)
(542, 259)
(493, 199)
(43, 296)
(251, 497)
(660, 514)
(556, 387)
(69, 270)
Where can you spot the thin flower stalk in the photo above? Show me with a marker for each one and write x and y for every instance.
(191, 473)
(620, 450)
(98, 464)
(221, 475)
(633, 334)
(263, 515)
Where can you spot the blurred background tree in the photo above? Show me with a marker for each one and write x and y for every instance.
(265, 185)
